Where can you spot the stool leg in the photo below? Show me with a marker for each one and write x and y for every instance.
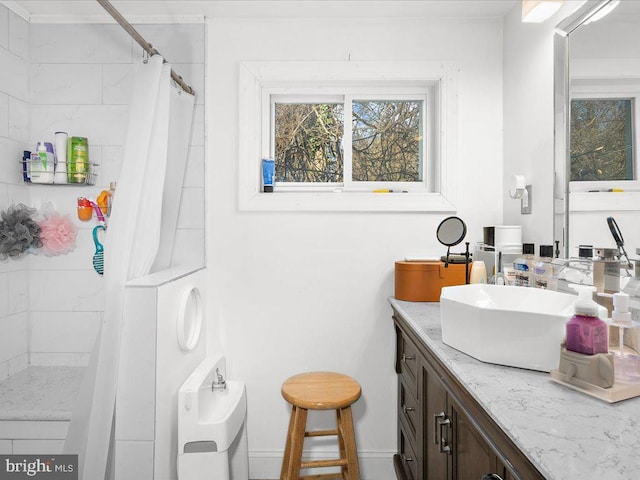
(287, 448)
(341, 448)
(297, 442)
(346, 432)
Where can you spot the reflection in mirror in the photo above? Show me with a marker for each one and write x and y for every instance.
(597, 90)
(601, 141)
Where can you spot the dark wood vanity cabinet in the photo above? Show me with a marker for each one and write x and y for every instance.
(443, 433)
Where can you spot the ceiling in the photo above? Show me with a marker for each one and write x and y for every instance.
(149, 11)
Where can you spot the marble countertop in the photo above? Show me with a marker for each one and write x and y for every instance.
(566, 435)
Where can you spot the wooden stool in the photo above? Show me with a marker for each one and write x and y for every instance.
(320, 391)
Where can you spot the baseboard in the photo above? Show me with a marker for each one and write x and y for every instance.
(266, 464)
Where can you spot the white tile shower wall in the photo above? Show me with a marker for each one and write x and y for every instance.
(32, 437)
(4, 28)
(19, 36)
(15, 78)
(81, 79)
(4, 115)
(14, 128)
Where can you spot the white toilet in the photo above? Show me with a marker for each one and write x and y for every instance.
(212, 433)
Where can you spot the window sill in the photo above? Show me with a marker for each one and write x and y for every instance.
(604, 201)
(345, 202)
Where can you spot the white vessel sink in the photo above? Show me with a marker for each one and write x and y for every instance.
(206, 415)
(513, 326)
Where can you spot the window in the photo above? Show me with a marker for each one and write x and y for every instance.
(356, 142)
(339, 131)
(387, 140)
(601, 140)
(307, 143)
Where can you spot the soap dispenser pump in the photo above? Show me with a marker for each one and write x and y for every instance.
(586, 333)
(627, 364)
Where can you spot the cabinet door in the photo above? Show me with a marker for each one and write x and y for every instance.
(435, 412)
(473, 457)
(409, 411)
(407, 456)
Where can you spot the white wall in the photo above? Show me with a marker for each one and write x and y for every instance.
(528, 122)
(14, 136)
(308, 291)
(529, 118)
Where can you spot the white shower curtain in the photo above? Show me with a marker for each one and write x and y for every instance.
(132, 243)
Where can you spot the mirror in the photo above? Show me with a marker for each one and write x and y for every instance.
(597, 68)
(451, 231)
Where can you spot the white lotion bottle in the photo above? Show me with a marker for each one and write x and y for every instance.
(60, 143)
(42, 163)
(478, 272)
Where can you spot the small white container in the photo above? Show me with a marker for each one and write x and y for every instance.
(60, 144)
(503, 235)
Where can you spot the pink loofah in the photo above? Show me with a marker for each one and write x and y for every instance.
(58, 234)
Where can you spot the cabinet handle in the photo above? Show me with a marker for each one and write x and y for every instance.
(436, 420)
(406, 357)
(491, 476)
(406, 409)
(406, 459)
(444, 447)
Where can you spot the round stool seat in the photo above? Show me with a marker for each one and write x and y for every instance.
(321, 390)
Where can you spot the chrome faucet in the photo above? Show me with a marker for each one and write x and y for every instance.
(608, 268)
(219, 382)
(603, 269)
(572, 270)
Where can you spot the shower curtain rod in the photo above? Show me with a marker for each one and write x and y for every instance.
(117, 16)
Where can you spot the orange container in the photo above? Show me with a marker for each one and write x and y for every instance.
(422, 281)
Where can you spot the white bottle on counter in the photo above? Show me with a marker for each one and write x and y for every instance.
(478, 272)
(543, 271)
(524, 266)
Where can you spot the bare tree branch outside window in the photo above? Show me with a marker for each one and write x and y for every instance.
(387, 141)
(308, 144)
(601, 140)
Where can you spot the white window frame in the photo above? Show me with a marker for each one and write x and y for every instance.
(259, 81)
(612, 78)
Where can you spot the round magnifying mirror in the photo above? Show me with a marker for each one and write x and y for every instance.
(451, 231)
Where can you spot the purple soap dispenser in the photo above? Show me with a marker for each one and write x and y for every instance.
(586, 333)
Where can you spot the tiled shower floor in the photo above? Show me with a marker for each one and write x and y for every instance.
(35, 409)
(40, 393)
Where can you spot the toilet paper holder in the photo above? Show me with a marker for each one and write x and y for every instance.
(519, 189)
